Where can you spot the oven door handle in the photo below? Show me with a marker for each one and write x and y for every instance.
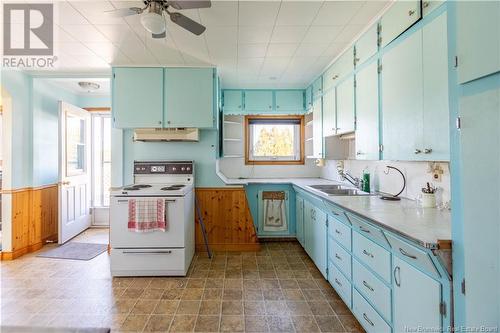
(148, 252)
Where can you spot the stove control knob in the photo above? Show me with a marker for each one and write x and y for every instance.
(183, 169)
(174, 169)
(188, 168)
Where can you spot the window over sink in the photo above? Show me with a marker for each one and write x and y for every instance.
(274, 140)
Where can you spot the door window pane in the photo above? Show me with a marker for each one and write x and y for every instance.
(75, 145)
(101, 159)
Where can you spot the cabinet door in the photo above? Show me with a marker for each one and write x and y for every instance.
(367, 125)
(258, 100)
(299, 219)
(233, 101)
(289, 101)
(308, 228)
(366, 46)
(329, 113)
(345, 64)
(309, 98)
(330, 78)
(317, 129)
(317, 88)
(429, 5)
(436, 135)
(182, 110)
(137, 97)
(401, 16)
(416, 298)
(402, 101)
(345, 106)
(478, 55)
(320, 254)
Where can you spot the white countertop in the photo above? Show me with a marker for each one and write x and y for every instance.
(424, 226)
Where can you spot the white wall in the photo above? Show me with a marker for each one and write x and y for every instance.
(416, 174)
(236, 168)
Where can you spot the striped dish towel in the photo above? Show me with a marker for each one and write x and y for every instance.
(147, 215)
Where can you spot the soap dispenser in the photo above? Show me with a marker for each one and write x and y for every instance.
(366, 180)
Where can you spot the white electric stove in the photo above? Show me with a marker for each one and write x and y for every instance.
(156, 253)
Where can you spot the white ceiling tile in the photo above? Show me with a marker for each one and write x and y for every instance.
(369, 11)
(67, 15)
(281, 49)
(92, 61)
(135, 49)
(188, 43)
(189, 60)
(218, 35)
(252, 50)
(222, 13)
(107, 51)
(116, 33)
(164, 53)
(223, 51)
(301, 63)
(74, 48)
(288, 34)
(85, 33)
(337, 12)
(62, 36)
(258, 13)
(311, 49)
(274, 66)
(297, 12)
(322, 33)
(127, 4)
(254, 34)
(250, 66)
(349, 33)
(334, 50)
(96, 12)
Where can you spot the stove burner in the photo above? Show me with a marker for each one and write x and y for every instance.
(136, 187)
(172, 187)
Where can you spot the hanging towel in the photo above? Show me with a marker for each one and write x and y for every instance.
(147, 215)
(274, 211)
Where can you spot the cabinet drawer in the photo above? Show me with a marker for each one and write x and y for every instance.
(337, 212)
(372, 288)
(340, 257)
(341, 284)
(148, 262)
(429, 6)
(368, 230)
(373, 255)
(413, 255)
(340, 232)
(367, 316)
(401, 16)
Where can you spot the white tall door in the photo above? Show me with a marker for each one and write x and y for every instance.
(74, 171)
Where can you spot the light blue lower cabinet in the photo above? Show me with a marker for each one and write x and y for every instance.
(341, 258)
(340, 283)
(372, 255)
(299, 219)
(371, 321)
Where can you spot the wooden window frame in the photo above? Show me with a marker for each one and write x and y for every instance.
(301, 161)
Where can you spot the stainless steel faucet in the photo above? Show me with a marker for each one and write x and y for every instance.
(347, 176)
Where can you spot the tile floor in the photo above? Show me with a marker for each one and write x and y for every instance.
(277, 289)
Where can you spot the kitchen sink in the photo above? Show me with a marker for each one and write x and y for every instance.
(338, 190)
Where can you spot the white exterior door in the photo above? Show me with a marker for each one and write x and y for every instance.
(74, 171)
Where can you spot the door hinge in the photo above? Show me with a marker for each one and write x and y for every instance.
(381, 148)
(114, 75)
(456, 62)
(379, 69)
(463, 286)
(442, 308)
(327, 271)
(458, 123)
(326, 223)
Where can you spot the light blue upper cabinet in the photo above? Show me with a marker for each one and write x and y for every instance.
(345, 106)
(317, 88)
(339, 70)
(429, 5)
(367, 113)
(478, 56)
(330, 78)
(181, 109)
(329, 113)
(436, 138)
(232, 101)
(402, 100)
(402, 15)
(289, 101)
(416, 298)
(258, 100)
(366, 46)
(137, 97)
(317, 129)
(309, 98)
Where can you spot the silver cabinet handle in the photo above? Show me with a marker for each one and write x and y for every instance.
(338, 282)
(426, 4)
(122, 201)
(359, 153)
(427, 150)
(368, 319)
(337, 256)
(398, 275)
(411, 12)
(368, 286)
(368, 254)
(239, 106)
(406, 254)
(335, 213)
(364, 230)
(417, 151)
(338, 232)
(147, 252)
(335, 77)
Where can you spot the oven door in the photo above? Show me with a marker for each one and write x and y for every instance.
(172, 237)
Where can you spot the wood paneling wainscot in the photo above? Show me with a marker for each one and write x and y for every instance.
(227, 219)
(34, 219)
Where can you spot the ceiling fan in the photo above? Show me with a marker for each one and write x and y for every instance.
(155, 11)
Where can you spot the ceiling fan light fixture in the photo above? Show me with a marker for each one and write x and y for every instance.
(153, 20)
(89, 86)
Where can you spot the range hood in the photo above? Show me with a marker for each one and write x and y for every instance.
(166, 134)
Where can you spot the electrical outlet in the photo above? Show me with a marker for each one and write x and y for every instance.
(437, 173)
(436, 177)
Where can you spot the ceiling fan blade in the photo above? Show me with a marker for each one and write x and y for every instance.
(159, 36)
(189, 4)
(122, 12)
(187, 23)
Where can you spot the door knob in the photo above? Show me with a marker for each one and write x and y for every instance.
(66, 182)
(417, 151)
(427, 150)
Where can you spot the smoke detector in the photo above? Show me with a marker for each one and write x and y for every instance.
(89, 86)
